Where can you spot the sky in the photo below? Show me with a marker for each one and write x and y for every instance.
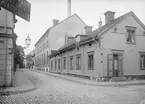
(90, 11)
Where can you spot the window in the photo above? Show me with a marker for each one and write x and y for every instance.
(78, 62)
(142, 61)
(130, 38)
(71, 62)
(51, 64)
(64, 62)
(1, 42)
(55, 64)
(58, 64)
(90, 61)
(90, 44)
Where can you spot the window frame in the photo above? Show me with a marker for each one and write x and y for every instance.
(141, 53)
(55, 64)
(91, 67)
(71, 62)
(130, 28)
(64, 62)
(58, 64)
(51, 64)
(78, 65)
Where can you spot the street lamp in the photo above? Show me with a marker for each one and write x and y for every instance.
(27, 41)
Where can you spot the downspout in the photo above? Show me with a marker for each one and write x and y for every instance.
(5, 46)
(61, 61)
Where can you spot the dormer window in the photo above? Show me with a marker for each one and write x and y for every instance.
(130, 38)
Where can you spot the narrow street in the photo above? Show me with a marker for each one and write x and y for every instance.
(53, 90)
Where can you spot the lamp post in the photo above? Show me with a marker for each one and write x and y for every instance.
(27, 41)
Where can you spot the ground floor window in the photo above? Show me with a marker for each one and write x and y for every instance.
(71, 62)
(51, 64)
(78, 62)
(55, 64)
(58, 64)
(64, 62)
(142, 61)
(90, 60)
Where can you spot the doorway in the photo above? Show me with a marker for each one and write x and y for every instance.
(115, 65)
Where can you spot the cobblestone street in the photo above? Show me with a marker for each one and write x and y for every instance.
(53, 90)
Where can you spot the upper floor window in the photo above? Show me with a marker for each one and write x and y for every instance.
(130, 38)
(142, 61)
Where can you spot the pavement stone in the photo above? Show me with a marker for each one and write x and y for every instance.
(93, 82)
(55, 90)
(21, 84)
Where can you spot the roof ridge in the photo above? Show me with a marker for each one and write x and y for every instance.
(60, 23)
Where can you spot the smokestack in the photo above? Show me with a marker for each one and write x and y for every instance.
(69, 8)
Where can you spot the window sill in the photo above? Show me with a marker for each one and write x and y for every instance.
(142, 68)
(90, 68)
(130, 43)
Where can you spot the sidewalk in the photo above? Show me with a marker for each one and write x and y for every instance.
(21, 84)
(93, 82)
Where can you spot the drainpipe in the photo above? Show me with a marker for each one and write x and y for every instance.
(5, 27)
(61, 61)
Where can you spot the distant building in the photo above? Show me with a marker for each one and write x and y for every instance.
(55, 37)
(113, 50)
(7, 45)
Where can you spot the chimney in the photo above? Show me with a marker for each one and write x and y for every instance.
(109, 16)
(55, 22)
(69, 8)
(88, 30)
(100, 23)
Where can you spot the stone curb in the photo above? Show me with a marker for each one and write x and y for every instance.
(6, 93)
(107, 84)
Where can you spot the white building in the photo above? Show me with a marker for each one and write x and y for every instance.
(54, 38)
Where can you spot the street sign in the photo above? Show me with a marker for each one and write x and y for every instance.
(20, 8)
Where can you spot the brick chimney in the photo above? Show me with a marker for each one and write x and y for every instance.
(88, 30)
(109, 16)
(100, 23)
(55, 22)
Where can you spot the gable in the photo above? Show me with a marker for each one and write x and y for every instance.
(70, 27)
(130, 20)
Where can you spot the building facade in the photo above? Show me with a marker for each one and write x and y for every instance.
(7, 40)
(54, 38)
(115, 49)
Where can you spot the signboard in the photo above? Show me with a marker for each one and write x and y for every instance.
(20, 8)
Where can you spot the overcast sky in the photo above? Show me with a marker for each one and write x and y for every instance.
(90, 11)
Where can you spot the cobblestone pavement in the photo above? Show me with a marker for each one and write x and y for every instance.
(53, 90)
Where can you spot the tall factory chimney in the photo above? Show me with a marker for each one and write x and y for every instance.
(69, 8)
